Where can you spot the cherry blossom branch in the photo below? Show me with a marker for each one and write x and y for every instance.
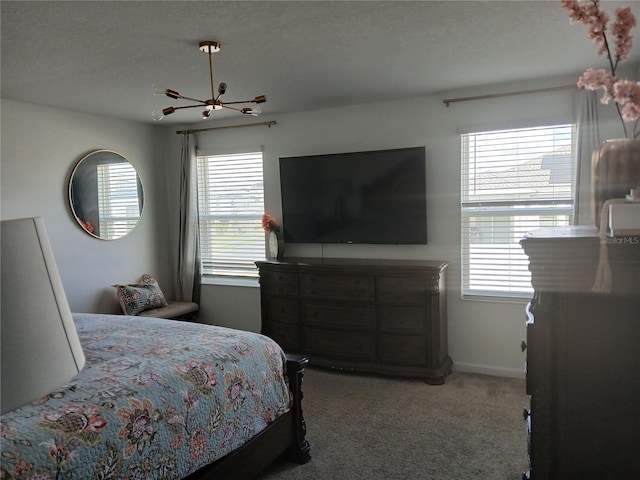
(626, 93)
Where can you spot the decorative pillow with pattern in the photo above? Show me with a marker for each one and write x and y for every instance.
(138, 297)
(147, 279)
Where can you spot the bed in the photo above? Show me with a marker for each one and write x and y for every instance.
(162, 399)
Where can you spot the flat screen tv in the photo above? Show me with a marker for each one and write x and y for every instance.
(376, 197)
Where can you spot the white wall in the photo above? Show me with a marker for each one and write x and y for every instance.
(484, 336)
(40, 147)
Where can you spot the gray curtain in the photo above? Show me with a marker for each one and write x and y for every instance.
(188, 243)
(588, 139)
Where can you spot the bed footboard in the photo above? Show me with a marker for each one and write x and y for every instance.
(285, 436)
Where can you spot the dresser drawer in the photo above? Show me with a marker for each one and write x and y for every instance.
(280, 283)
(403, 320)
(402, 289)
(283, 310)
(340, 343)
(361, 317)
(338, 287)
(287, 336)
(403, 350)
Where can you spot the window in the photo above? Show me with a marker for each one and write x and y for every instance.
(513, 181)
(118, 206)
(231, 204)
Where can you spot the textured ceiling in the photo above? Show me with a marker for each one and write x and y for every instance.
(103, 57)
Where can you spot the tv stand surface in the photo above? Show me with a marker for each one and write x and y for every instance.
(380, 316)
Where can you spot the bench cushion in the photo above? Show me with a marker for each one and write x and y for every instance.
(172, 310)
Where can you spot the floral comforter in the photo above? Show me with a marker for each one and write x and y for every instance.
(157, 399)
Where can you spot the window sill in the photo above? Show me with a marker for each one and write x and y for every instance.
(497, 298)
(230, 281)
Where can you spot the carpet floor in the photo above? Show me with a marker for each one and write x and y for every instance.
(370, 427)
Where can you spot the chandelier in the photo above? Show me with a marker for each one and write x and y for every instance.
(214, 103)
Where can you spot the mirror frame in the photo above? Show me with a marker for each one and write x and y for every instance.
(92, 160)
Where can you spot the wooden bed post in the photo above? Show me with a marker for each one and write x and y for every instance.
(299, 451)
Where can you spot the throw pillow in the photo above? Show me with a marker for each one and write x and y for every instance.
(138, 297)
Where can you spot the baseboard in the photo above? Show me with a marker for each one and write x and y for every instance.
(488, 370)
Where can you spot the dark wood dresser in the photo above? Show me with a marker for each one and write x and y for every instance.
(583, 357)
(381, 316)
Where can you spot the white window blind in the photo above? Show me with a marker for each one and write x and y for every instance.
(513, 181)
(118, 206)
(231, 205)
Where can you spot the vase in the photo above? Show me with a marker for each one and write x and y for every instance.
(275, 243)
(615, 170)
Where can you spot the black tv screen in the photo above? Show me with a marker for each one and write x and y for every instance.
(376, 197)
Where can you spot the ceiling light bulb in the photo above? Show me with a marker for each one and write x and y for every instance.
(255, 111)
(206, 113)
(157, 115)
(158, 89)
(222, 88)
(260, 99)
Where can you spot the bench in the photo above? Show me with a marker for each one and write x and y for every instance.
(174, 311)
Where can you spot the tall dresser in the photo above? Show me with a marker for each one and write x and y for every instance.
(381, 316)
(583, 357)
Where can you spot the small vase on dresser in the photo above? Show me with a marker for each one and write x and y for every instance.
(275, 242)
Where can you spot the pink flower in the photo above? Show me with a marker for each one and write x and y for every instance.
(621, 29)
(624, 92)
(595, 79)
(631, 112)
(22, 468)
(598, 79)
(198, 444)
(627, 93)
(269, 224)
(59, 454)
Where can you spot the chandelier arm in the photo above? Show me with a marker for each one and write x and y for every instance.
(182, 97)
(224, 105)
(187, 106)
(244, 111)
(242, 101)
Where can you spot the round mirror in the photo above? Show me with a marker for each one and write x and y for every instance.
(106, 195)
